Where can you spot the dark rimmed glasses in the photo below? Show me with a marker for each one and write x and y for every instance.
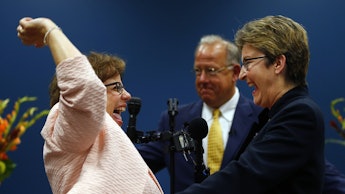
(211, 71)
(246, 62)
(118, 87)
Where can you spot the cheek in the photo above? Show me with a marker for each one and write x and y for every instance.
(114, 98)
(109, 101)
(110, 98)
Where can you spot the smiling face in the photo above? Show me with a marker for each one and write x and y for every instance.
(116, 102)
(284, 45)
(259, 76)
(218, 87)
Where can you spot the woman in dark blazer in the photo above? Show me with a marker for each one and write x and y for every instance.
(287, 153)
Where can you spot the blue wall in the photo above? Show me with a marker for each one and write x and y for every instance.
(157, 39)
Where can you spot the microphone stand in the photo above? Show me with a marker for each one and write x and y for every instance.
(201, 172)
(172, 111)
(198, 130)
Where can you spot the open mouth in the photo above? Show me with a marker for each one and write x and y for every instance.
(117, 115)
(117, 111)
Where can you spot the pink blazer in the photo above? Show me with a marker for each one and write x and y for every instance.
(85, 151)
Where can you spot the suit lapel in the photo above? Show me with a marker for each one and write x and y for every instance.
(243, 121)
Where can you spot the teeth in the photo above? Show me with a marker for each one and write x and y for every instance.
(119, 110)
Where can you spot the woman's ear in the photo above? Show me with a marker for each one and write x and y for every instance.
(280, 64)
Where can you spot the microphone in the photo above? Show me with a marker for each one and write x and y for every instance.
(172, 107)
(198, 129)
(184, 140)
(134, 105)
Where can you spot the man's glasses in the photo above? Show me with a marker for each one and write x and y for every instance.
(246, 62)
(117, 86)
(211, 71)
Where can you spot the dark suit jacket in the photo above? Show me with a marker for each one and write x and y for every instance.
(157, 154)
(286, 156)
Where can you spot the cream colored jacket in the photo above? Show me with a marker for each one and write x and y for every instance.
(85, 151)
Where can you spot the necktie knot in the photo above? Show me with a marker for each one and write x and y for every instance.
(216, 113)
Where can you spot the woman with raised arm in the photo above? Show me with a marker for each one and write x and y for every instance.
(85, 150)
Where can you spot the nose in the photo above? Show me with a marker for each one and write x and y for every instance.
(243, 73)
(126, 95)
(203, 76)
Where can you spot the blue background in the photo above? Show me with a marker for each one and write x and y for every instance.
(157, 40)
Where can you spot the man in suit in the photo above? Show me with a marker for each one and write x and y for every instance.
(216, 69)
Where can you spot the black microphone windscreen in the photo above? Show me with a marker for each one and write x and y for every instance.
(198, 128)
(134, 105)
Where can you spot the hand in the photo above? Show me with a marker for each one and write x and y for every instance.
(34, 31)
(31, 31)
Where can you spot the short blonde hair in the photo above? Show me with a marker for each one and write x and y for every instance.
(279, 35)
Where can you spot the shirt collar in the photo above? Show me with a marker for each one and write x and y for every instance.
(225, 109)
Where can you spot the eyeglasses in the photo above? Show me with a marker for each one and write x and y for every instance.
(211, 71)
(246, 62)
(118, 87)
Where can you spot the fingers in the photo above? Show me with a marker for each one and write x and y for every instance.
(21, 35)
(24, 20)
(19, 30)
(22, 23)
(27, 32)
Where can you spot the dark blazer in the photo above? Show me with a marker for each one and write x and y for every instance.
(157, 154)
(286, 156)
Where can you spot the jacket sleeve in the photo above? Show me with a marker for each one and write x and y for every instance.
(82, 105)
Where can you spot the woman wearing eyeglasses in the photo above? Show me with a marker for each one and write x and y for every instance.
(109, 69)
(287, 154)
(85, 149)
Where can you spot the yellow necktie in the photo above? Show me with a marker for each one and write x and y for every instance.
(215, 147)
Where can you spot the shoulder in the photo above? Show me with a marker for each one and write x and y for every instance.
(305, 105)
(248, 105)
